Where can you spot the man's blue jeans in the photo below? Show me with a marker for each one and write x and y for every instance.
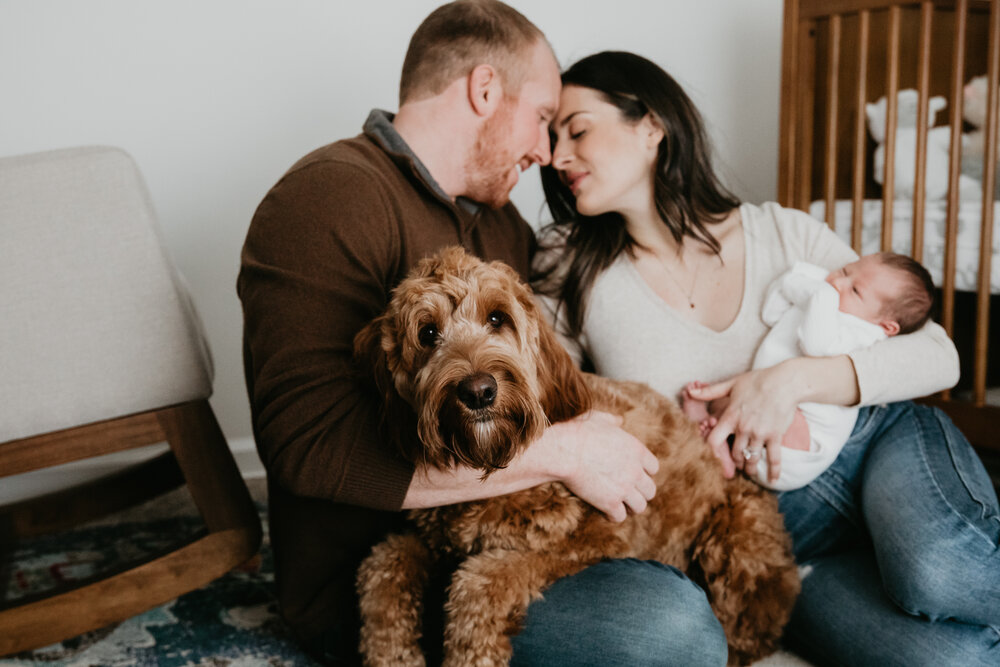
(627, 613)
(899, 543)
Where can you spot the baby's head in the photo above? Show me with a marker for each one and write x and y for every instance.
(887, 289)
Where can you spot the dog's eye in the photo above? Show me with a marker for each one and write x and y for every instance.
(496, 319)
(428, 335)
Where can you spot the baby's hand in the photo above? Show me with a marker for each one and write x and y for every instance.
(695, 409)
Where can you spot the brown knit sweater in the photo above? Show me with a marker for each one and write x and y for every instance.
(326, 246)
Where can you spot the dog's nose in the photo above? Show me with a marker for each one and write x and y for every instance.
(478, 391)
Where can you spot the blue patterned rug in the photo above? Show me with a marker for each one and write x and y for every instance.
(231, 622)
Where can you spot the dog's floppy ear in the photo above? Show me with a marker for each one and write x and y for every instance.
(564, 392)
(369, 356)
(398, 421)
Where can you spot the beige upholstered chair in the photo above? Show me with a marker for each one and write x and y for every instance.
(102, 351)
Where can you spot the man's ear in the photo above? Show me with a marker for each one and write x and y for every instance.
(890, 327)
(485, 90)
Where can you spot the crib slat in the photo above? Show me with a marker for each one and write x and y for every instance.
(923, 87)
(990, 132)
(889, 174)
(806, 105)
(833, 104)
(860, 133)
(790, 95)
(954, 168)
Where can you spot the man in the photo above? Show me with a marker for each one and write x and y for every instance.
(323, 252)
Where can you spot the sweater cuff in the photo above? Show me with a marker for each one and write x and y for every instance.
(379, 479)
(863, 374)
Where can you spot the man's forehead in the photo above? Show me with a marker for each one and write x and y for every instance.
(544, 71)
(539, 96)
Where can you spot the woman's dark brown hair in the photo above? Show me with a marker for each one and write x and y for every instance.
(687, 193)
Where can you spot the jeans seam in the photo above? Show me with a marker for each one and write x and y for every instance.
(868, 424)
(838, 496)
(983, 506)
(832, 496)
(940, 492)
(923, 615)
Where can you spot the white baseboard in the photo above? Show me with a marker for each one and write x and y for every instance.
(56, 478)
(245, 452)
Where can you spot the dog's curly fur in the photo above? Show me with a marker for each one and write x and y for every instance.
(457, 323)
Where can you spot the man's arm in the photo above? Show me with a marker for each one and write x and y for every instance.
(601, 463)
(317, 265)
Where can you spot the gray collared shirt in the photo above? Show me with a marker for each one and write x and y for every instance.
(380, 128)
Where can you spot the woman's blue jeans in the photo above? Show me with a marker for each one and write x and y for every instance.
(898, 540)
(899, 546)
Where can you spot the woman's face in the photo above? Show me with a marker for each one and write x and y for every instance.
(605, 160)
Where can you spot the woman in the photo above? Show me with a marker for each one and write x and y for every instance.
(658, 274)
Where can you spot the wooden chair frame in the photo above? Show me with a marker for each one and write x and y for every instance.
(198, 456)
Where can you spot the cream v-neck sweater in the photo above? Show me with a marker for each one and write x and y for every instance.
(629, 332)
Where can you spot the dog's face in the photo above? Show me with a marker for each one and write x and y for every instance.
(462, 343)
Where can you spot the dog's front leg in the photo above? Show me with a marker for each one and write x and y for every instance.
(489, 595)
(391, 584)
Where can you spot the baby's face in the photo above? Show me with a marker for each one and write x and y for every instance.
(866, 287)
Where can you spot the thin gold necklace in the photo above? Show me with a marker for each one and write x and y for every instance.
(688, 293)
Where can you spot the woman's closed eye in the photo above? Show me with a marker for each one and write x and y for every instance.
(576, 129)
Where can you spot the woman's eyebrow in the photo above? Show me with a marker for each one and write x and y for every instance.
(565, 121)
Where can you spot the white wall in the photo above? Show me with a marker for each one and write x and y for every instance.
(216, 98)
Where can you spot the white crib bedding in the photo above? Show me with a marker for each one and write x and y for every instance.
(935, 212)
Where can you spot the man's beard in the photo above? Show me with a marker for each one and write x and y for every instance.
(489, 163)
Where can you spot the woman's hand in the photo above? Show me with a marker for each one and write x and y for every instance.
(762, 405)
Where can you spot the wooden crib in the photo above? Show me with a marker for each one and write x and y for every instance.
(838, 56)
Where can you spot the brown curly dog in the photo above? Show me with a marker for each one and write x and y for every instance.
(464, 357)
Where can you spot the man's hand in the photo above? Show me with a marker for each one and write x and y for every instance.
(601, 463)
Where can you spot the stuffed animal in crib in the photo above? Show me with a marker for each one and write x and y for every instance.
(938, 139)
(974, 143)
